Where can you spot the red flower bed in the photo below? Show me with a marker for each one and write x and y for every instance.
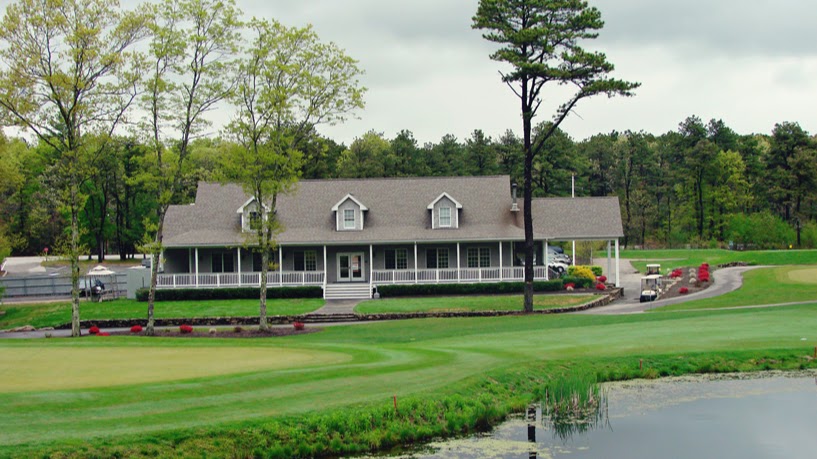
(602, 279)
(185, 329)
(683, 291)
(93, 330)
(676, 274)
(601, 286)
(299, 325)
(136, 329)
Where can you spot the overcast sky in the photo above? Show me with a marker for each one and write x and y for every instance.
(752, 63)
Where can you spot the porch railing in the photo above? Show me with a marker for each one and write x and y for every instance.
(448, 276)
(219, 280)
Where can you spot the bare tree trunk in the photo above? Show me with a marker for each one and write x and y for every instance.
(74, 254)
(154, 274)
(262, 301)
(528, 198)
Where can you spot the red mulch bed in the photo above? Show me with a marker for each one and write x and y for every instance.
(225, 332)
(674, 291)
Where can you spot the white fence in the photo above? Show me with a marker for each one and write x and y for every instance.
(56, 285)
(448, 276)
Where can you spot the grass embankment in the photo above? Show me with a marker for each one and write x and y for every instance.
(53, 314)
(681, 257)
(450, 376)
(468, 303)
(784, 284)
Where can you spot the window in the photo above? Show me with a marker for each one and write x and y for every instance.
(349, 219)
(479, 257)
(223, 263)
(306, 261)
(396, 259)
(255, 221)
(437, 258)
(445, 217)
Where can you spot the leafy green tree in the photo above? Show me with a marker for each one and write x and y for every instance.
(288, 83)
(409, 159)
(480, 154)
(540, 40)
(556, 165)
(192, 44)
(367, 156)
(511, 156)
(69, 71)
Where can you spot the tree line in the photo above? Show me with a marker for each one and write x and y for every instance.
(702, 184)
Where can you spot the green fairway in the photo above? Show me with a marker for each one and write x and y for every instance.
(783, 284)
(469, 303)
(53, 314)
(694, 257)
(339, 367)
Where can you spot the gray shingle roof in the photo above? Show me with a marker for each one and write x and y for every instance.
(397, 213)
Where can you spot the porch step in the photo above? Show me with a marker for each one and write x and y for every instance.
(324, 318)
(347, 292)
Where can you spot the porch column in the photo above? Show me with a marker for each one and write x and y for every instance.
(371, 268)
(325, 269)
(415, 262)
(197, 266)
(574, 254)
(609, 259)
(459, 267)
(500, 261)
(547, 269)
(280, 266)
(618, 267)
(239, 266)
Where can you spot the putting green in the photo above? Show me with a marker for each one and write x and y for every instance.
(804, 276)
(52, 368)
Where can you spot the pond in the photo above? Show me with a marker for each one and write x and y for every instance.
(727, 416)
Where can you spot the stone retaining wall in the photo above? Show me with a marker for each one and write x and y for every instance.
(605, 299)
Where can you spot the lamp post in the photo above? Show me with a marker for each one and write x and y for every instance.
(797, 227)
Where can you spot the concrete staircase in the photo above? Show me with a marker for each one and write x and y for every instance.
(328, 318)
(347, 292)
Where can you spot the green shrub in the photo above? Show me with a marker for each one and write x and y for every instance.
(579, 282)
(597, 270)
(229, 293)
(466, 289)
(585, 272)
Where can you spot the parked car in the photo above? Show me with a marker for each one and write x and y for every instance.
(557, 267)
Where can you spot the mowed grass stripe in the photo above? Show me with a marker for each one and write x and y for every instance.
(401, 358)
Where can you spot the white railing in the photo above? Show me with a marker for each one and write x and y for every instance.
(222, 280)
(448, 276)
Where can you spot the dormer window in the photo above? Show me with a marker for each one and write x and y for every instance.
(445, 212)
(349, 219)
(255, 221)
(445, 217)
(349, 214)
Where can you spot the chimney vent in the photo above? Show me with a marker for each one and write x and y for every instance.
(514, 205)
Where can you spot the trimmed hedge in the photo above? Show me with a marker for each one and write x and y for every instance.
(229, 293)
(596, 270)
(580, 282)
(466, 289)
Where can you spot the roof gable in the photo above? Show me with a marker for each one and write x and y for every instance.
(444, 195)
(347, 198)
(247, 203)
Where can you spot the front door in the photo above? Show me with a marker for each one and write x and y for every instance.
(350, 267)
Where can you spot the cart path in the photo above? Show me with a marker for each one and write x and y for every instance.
(725, 280)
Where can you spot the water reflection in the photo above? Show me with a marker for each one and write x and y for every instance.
(770, 417)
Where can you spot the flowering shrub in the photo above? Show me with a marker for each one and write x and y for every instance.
(299, 325)
(93, 330)
(136, 329)
(683, 291)
(581, 271)
(570, 286)
(676, 274)
(185, 329)
(602, 279)
(601, 286)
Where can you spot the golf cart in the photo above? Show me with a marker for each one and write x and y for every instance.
(653, 269)
(651, 287)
